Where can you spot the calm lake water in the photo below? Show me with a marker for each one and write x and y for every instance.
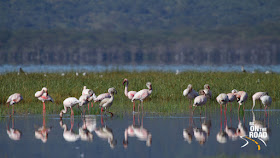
(139, 68)
(139, 135)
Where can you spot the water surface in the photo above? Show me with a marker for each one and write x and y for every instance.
(139, 135)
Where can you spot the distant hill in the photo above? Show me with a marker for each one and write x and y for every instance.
(141, 32)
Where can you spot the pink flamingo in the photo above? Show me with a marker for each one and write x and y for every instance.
(222, 99)
(13, 99)
(207, 91)
(231, 98)
(199, 101)
(43, 96)
(257, 96)
(142, 95)
(89, 93)
(107, 102)
(190, 93)
(129, 94)
(241, 97)
(102, 96)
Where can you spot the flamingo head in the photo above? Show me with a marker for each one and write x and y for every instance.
(234, 91)
(112, 91)
(189, 86)
(125, 81)
(149, 85)
(206, 86)
(45, 89)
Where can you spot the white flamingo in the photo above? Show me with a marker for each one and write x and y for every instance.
(241, 97)
(231, 98)
(222, 99)
(13, 99)
(257, 96)
(71, 102)
(107, 102)
(142, 95)
(190, 93)
(89, 93)
(199, 101)
(102, 96)
(207, 91)
(266, 101)
(43, 96)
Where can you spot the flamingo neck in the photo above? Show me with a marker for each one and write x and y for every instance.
(126, 89)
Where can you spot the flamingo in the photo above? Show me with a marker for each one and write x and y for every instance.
(89, 93)
(129, 94)
(222, 99)
(107, 102)
(231, 98)
(257, 96)
(190, 93)
(199, 101)
(241, 97)
(71, 102)
(13, 99)
(266, 101)
(207, 91)
(142, 95)
(43, 96)
(102, 96)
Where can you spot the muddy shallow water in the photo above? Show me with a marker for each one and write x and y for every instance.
(140, 135)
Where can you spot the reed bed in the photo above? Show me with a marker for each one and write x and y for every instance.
(166, 97)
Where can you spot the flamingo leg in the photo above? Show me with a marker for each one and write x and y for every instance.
(238, 107)
(44, 106)
(111, 113)
(194, 109)
(72, 113)
(91, 104)
(265, 111)
(13, 109)
(133, 106)
(142, 105)
(101, 111)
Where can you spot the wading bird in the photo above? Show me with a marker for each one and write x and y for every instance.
(43, 96)
(190, 93)
(142, 95)
(71, 102)
(231, 98)
(241, 97)
(107, 102)
(257, 96)
(199, 101)
(13, 99)
(266, 101)
(207, 91)
(222, 99)
(90, 94)
(128, 94)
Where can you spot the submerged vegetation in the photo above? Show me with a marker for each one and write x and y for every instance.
(166, 98)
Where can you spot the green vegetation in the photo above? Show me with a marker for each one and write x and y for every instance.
(166, 97)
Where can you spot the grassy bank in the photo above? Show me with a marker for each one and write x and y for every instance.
(166, 96)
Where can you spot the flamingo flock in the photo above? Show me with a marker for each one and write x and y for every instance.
(106, 99)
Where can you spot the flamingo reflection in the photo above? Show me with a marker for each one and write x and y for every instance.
(137, 131)
(221, 136)
(69, 135)
(42, 132)
(89, 125)
(104, 132)
(13, 133)
(258, 124)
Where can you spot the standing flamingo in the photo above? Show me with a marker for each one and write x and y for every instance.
(199, 101)
(231, 98)
(89, 93)
(107, 102)
(190, 93)
(207, 91)
(257, 96)
(241, 97)
(129, 94)
(13, 99)
(142, 95)
(43, 96)
(266, 101)
(102, 96)
(222, 99)
(71, 102)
